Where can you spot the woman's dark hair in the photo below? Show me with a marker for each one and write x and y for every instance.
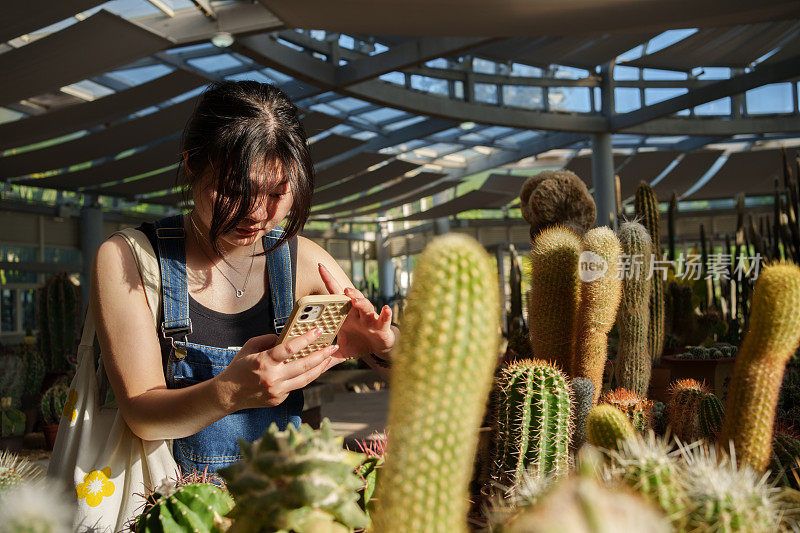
(238, 129)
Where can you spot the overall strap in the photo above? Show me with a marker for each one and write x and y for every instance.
(279, 269)
(175, 291)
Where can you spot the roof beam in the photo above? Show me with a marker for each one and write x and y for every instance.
(762, 75)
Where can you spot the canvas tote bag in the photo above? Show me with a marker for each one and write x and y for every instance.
(97, 457)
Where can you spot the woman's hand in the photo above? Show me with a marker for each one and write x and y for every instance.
(364, 331)
(258, 376)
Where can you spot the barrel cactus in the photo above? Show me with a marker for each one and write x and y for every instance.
(771, 340)
(533, 421)
(441, 378)
(711, 417)
(633, 366)
(607, 426)
(554, 296)
(639, 410)
(582, 397)
(646, 207)
(193, 507)
(295, 480)
(52, 404)
(59, 307)
(15, 470)
(683, 408)
(601, 292)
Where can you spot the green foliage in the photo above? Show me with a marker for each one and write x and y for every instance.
(194, 507)
(533, 421)
(299, 481)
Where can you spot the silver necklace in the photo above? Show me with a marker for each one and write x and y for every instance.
(239, 292)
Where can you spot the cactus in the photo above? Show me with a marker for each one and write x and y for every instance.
(582, 395)
(639, 410)
(718, 350)
(52, 404)
(634, 365)
(683, 409)
(724, 496)
(59, 307)
(772, 339)
(600, 298)
(646, 207)
(606, 426)
(554, 296)
(533, 421)
(12, 420)
(34, 370)
(583, 504)
(442, 374)
(14, 471)
(557, 198)
(711, 416)
(12, 377)
(648, 466)
(783, 466)
(193, 507)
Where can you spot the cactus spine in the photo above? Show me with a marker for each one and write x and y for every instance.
(772, 339)
(59, 322)
(193, 507)
(646, 207)
(582, 402)
(600, 299)
(442, 374)
(634, 365)
(554, 296)
(606, 426)
(683, 409)
(639, 410)
(533, 420)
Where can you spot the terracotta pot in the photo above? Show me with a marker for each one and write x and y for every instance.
(50, 432)
(716, 373)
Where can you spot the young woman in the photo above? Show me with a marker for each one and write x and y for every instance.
(213, 373)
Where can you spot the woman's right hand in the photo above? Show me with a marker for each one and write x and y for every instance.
(258, 376)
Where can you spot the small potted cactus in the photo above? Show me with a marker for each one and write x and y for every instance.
(52, 405)
(712, 364)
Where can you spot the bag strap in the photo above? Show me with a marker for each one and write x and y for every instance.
(147, 263)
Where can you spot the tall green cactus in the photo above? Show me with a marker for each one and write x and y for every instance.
(770, 342)
(34, 370)
(601, 293)
(442, 374)
(634, 365)
(607, 426)
(646, 207)
(193, 507)
(299, 481)
(554, 296)
(638, 409)
(582, 403)
(59, 322)
(533, 421)
(712, 415)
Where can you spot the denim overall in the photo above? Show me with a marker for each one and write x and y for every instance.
(216, 446)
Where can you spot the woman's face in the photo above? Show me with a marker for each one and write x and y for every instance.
(271, 207)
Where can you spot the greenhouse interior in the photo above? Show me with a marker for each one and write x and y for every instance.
(526, 267)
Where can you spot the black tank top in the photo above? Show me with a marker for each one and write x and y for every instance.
(223, 330)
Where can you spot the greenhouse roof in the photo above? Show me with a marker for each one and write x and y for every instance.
(402, 104)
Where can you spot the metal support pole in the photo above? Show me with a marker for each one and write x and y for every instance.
(91, 228)
(500, 254)
(603, 175)
(440, 225)
(385, 267)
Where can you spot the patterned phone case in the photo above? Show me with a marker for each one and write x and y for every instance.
(335, 309)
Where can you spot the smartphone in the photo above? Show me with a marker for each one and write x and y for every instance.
(324, 311)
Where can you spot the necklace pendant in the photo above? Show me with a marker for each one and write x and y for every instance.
(239, 293)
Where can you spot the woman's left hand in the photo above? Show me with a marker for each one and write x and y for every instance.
(364, 331)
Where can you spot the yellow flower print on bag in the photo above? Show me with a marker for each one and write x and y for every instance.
(95, 487)
(69, 407)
